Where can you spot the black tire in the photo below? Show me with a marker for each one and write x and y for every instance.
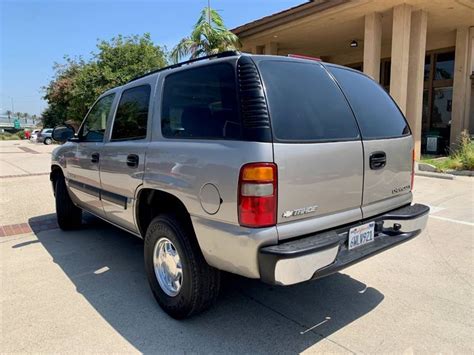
(68, 214)
(200, 282)
(48, 141)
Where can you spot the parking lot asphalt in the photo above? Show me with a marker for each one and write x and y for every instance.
(86, 290)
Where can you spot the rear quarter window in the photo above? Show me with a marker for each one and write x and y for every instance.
(305, 103)
(377, 114)
(201, 103)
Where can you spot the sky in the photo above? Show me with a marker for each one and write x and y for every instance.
(34, 34)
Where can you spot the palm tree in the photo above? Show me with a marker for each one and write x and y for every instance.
(25, 116)
(9, 113)
(209, 36)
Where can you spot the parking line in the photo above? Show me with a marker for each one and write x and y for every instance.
(452, 220)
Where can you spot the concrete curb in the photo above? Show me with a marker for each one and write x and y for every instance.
(461, 172)
(435, 175)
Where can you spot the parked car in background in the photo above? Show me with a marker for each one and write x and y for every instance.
(45, 136)
(34, 135)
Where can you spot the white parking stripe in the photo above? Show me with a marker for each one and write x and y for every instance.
(452, 220)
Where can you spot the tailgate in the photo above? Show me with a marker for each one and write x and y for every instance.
(387, 142)
(390, 186)
(317, 148)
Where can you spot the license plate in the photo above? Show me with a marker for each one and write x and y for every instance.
(361, 235)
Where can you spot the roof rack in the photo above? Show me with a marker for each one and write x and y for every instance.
(177, 65)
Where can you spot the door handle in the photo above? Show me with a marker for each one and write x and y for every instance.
(132, 160)
(95, 157)
(377, 160)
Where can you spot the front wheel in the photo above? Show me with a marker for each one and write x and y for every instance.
(68, 214)
(48, 141)
(181, 280)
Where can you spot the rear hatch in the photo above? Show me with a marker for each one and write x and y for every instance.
(317, 147)
(342, 147)
(388, 144)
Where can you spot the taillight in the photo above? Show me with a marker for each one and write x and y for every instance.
(412, 169)
(258, 195)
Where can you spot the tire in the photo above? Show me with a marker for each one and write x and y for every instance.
(200, 282)
(68, 214)
(48, 141)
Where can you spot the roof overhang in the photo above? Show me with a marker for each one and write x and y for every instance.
(280, 18)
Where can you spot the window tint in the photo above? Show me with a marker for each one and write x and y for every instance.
(132, 114)
(94, 125)
(305, 104)
(376, 112)
(444, 66)
(201, 103)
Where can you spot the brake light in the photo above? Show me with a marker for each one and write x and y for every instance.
(304, 57)
(412, 169)
(257, 195)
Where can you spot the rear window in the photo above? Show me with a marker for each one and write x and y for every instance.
(305, 103)
(377, 114)
(201, 103)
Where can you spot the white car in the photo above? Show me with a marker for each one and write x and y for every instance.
(34, 135)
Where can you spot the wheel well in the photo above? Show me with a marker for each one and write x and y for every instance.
(153, 202)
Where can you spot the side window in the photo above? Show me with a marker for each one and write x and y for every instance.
(132, 114)
(95, 123)
(377, 114)
(201, 103)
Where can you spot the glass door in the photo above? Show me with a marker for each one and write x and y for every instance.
(437, 102)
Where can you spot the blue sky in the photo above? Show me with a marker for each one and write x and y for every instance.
(34, 34)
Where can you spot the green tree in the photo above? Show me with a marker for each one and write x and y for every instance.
(209, 36)
(77, 83)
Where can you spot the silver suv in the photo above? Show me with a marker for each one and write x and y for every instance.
(274, 168)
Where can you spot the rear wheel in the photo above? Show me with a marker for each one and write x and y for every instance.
(48, 141)
(68, 214)
(181, 280)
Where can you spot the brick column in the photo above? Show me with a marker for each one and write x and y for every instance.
(372, 45)
(400, 49)
(416, 67)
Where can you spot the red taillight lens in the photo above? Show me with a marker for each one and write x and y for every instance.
(412, 169)
(258, 195)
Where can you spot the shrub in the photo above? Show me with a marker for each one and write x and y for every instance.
(465, 152)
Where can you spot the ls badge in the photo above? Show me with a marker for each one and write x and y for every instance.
(300, 211)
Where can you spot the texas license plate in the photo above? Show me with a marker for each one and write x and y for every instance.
(361, 235)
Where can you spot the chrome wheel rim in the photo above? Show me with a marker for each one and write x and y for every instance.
(168, 267)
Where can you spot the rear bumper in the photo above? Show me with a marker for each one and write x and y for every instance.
(322, 254)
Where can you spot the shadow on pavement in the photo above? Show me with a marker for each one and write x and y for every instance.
(106, 266)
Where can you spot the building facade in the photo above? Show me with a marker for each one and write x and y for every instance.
(420, 51)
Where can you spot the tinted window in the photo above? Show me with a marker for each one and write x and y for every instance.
(376, 112)
(201, 103)
(444, 66)
(94, 125)
(305, 104)
(132, 114)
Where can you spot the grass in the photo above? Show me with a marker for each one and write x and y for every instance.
(460, 159)
(5, 136)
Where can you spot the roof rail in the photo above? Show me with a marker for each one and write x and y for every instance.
(177, 65)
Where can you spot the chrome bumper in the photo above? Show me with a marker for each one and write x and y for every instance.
(324, 253)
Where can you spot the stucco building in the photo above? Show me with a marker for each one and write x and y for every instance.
(421, 51)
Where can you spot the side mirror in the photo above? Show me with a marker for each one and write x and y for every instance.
(63, 133)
